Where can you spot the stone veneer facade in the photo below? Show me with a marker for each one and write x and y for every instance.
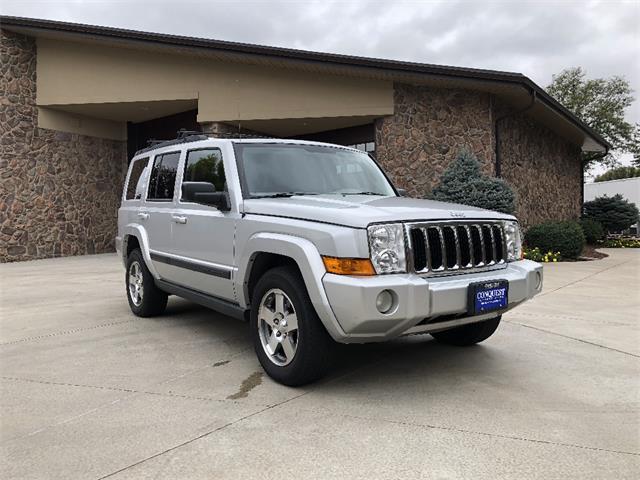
(544, 169)
(59, 192)
(431, 125)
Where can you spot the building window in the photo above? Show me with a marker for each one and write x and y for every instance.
(163, 177)
(134, 192)
(205, 166)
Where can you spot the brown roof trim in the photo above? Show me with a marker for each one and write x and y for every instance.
(293, 54)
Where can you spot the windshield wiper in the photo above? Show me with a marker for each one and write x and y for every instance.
(362, 193)
(285, 194)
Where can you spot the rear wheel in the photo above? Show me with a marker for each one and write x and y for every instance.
(468, 334)
(290, 341)
(145, 298)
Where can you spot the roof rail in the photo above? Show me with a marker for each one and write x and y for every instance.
(153, 144)
(185, 136)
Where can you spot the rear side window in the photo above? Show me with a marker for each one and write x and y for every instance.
(163, 177)
(205, 166)
(133, 189)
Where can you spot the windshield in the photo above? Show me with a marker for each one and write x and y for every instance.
(295, 169)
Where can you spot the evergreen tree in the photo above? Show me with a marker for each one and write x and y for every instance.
(463, 182)
(614, 213)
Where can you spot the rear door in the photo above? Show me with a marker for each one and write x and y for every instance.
(133, 192)
(203, 235)
(156, 213)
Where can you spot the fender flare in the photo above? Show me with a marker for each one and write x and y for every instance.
(134, 230)
(308, 259)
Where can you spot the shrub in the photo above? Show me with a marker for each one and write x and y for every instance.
(592, 229)
(614, 213)
(618, 173)
(463, 182)
(564, 237)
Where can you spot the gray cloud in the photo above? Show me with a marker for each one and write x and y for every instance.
(537, 38)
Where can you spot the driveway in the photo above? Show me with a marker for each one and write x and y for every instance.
(89, 391)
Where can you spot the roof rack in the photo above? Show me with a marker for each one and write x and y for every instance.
(185, 136)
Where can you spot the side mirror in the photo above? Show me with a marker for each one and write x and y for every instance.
(220, 200)
(205, 193)
(189, 189)
(402, 192)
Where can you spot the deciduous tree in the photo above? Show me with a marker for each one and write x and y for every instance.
(601, 103)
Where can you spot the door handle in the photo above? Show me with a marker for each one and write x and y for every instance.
(179, 219)
(143, 215)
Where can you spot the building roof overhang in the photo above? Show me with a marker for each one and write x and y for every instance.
(515, 88)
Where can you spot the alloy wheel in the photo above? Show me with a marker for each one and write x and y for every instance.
(136, 287)
(278, 327)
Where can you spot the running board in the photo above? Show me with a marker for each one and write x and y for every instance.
(214, 303)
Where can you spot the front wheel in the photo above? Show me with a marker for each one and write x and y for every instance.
(468, 334)
(290, 341)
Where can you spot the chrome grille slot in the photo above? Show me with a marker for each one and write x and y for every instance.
(451, 247)
(435, 249)
(419, 249)
(464, 246)
(488, 245)
(455, 247)
(477, 249)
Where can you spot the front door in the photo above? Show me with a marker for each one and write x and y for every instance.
(202, 234)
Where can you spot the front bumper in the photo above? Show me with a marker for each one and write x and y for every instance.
(353, 300)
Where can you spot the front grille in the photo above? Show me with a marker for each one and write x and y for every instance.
(451, 247)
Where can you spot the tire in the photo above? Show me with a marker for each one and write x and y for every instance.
(272, 328)
(150, 301)
(468, 334)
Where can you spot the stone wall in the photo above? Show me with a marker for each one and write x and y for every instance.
(428, 129)
(430, 126)
(544, 169)
(59, 192)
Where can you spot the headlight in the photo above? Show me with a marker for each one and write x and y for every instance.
(386, 244)
(514, 241)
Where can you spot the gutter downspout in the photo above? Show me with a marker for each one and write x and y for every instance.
(496, 132)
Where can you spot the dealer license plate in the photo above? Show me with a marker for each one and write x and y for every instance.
(488, 296)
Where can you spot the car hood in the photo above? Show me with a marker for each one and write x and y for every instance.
(361, 210)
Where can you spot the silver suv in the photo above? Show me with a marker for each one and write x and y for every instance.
(311, 243)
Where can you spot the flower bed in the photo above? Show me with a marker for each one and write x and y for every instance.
(620, 243)
(537, 255)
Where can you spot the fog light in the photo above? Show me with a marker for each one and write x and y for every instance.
(538, 281)
(384, 302)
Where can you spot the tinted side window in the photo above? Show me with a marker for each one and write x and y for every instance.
(163, 176)
(137, 168)
(205, 166)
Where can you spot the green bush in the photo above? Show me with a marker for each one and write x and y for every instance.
(618, 173)
(463, 182)
(564, 237)
(614, 213)
(592, 229)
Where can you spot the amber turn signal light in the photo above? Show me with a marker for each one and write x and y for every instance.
(348, 266)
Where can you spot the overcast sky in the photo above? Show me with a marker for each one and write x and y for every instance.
(537, 38)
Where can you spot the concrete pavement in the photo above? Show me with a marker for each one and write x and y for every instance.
(90, 391)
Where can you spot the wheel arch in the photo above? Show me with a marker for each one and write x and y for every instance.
(134, 236)
(264, 251)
